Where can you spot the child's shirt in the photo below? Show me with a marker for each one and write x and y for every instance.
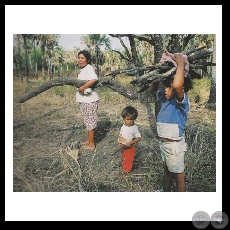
(129, 133)
(172, 117)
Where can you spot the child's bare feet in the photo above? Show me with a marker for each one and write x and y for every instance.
(124, 174)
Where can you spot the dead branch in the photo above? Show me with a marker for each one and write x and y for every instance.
(115, 86)
(47, 85)
(158, 72)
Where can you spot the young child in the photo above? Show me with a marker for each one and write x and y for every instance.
(171, 122)
(128, 137)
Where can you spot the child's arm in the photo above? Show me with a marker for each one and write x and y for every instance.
(135, 140)
(178, 81)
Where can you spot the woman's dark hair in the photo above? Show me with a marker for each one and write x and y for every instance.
(86, 54)
(129, 110)
(188, 83)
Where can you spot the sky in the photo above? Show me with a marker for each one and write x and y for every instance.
(108, 19)
(69, 41)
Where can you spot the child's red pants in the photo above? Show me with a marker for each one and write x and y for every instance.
(128, 158)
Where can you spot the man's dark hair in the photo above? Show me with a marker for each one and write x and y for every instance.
(188, 83)
(129, 110)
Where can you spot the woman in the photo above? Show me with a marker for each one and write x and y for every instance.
(87, 97)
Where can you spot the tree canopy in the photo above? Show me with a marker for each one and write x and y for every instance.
(141, 60)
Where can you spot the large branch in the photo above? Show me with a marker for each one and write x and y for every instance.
(126, 49)
(123, 57)
(158, 72)
(47, 85)
(136, 70)
(115, 86)
(153, 78)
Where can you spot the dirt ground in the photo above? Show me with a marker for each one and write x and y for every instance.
(47, 130)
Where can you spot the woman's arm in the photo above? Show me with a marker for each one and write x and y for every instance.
(87, 85)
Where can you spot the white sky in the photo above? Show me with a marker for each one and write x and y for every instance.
(107, 19)
(69, 41)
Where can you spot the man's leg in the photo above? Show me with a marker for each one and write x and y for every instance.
(179, 178)
(167, 179)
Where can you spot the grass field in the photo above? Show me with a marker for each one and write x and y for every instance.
(47, 128)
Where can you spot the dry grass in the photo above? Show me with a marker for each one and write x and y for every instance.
(48, 127)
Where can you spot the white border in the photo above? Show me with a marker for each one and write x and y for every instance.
(105, 19)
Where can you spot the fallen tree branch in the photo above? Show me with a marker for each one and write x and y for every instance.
(115, 86)
(47, 85)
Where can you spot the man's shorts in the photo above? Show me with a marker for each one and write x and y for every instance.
(172, 153)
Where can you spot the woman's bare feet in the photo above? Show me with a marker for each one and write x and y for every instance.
(90, 146)
(84, 142)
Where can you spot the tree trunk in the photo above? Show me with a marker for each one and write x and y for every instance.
(158, 51)
(212, 96)
(26, 51)
(35, 60)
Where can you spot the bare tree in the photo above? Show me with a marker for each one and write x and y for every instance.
(146, 75)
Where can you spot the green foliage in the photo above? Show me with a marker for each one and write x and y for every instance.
(200, 39)
(204, 37)
(104, 59)
(107, 95)
(104, 89)
(63, 91)
(200, 91)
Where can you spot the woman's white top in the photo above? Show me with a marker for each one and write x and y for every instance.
(129, 133)
(87, 73)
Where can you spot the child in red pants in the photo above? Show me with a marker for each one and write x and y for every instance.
(128, 137)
